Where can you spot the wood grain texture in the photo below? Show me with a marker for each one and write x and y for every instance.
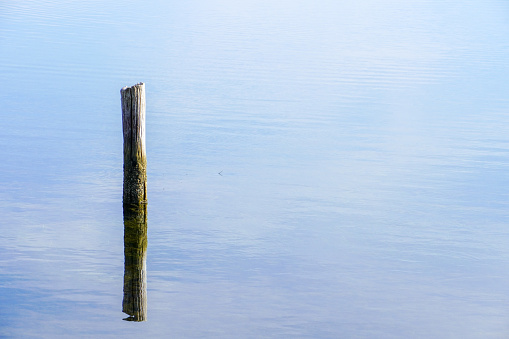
(135, 158)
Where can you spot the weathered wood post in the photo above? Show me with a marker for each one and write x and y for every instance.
(134, 302)
(135, 155)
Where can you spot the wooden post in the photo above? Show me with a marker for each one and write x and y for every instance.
(135, 158)
(134, 302)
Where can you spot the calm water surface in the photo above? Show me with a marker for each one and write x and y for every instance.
(317, 169)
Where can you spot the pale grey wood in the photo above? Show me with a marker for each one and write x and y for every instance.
(135, 158)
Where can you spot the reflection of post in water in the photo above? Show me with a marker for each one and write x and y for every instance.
(135, 259)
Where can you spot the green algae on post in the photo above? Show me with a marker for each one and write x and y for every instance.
(135, 157)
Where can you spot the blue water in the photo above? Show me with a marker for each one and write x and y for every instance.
(316, 169)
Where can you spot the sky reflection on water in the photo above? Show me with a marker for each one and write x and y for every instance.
(363, 151)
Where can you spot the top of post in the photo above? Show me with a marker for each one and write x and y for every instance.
(139, 85)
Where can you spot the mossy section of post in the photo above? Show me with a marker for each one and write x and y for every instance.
(135, 155)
